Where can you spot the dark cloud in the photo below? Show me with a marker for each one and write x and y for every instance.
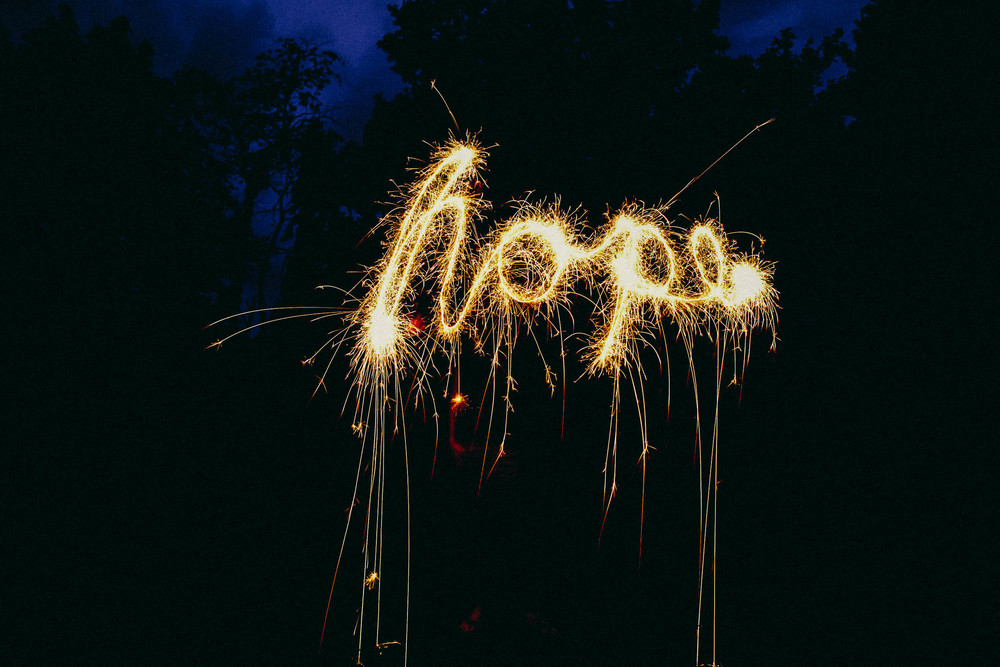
(228, 35)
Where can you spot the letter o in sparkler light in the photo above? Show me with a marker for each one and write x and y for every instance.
(517, 261)
(643, 238)
(714, 253)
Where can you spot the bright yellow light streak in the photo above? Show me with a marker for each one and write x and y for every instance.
(536, 259)
(641, 270)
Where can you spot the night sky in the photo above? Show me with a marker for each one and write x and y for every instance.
(223, 36)
(168, 504)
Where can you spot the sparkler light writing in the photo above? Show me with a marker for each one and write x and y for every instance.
(536, 259)
(639, 270)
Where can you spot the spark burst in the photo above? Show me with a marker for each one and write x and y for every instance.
(639, 271)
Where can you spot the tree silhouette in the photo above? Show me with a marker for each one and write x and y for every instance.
(278, 109)
(560, 87)
(96, 176)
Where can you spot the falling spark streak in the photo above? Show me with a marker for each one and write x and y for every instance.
(640, 271)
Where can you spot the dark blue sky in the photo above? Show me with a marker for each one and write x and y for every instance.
(222, 36)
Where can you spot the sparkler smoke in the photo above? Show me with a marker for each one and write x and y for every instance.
(639, 270)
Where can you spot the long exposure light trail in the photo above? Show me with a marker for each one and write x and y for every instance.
(537, 259)
(639, 271)
(641, 268)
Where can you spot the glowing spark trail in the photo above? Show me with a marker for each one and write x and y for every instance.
(536, 259)
(641, 268)
(639, 271)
